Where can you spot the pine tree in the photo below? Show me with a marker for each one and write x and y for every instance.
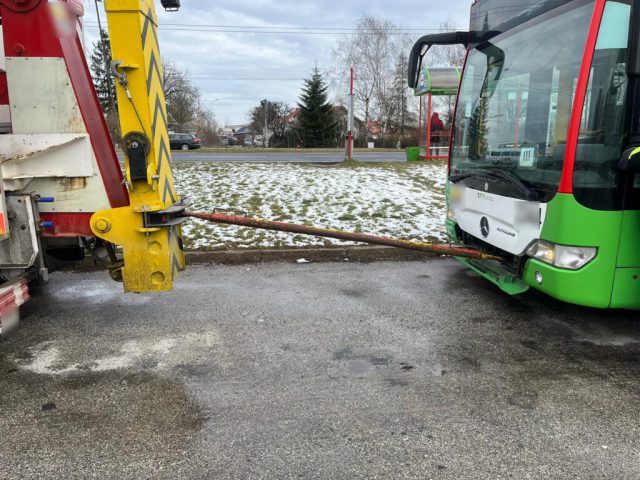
(100, 65)
(399, 114)
(103, 82)
(317, 124)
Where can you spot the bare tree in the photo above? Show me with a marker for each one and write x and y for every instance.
(401, 101)
(276, 113)
(447, 56)
(183, 106)
(173, 79)
(370, 50)
(207, 127)
(379, 54)
(182, 96)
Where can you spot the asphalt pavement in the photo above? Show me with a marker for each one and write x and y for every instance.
(284, 157)
(388, 370)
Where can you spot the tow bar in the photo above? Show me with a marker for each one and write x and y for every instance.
(439, 249)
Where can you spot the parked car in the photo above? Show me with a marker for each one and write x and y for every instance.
(229, 141)
(184, 141)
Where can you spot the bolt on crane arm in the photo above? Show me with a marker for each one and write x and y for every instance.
(148, 230)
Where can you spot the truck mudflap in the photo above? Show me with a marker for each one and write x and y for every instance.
(12, 295)
(493, 272)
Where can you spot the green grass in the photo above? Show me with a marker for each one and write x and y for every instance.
(288, 150)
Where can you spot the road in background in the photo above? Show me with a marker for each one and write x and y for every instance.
(411, 370)
(284, 157)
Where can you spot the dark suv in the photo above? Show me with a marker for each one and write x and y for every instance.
(184, 141)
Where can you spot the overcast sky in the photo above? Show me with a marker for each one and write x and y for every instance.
(235, 70)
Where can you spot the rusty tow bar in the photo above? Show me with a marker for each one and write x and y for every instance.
(440, 249)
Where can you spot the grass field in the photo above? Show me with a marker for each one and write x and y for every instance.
(290, 150)
(400, 200)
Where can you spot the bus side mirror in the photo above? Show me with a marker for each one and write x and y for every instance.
(415, 63)
(423, 45)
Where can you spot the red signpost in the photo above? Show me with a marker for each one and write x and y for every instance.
(349, 146)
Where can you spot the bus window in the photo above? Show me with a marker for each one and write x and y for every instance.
(595, 179)
(521, 124)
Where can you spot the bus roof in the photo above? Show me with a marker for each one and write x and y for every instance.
(501, 15)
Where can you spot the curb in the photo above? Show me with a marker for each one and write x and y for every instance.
(316, 255)
(319, 255)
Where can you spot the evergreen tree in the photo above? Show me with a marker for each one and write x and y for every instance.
(104, 83)
(317, 124)
(100, 64)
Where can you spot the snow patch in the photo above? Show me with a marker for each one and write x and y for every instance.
(404, 201)
(46, 357)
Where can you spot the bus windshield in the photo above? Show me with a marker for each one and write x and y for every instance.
(516, 120)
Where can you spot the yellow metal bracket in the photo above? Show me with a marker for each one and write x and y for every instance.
(148, 230)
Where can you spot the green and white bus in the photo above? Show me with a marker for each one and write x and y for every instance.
(540, 164)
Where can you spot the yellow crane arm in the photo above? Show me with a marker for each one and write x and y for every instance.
(149, 229)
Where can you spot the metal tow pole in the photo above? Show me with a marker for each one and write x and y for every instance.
(440, 249)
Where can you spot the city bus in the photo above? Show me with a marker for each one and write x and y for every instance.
(541, 171)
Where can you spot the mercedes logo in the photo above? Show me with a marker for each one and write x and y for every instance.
(484, 227)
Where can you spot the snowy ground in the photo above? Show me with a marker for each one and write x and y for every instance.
(402, 200)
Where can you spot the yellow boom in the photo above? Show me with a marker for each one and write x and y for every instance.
(149, 229)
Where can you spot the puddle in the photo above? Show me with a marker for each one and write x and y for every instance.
(607, 340)
(92, 415)
(599, 335)
(343, 353)
(359, 367)
(380, 361)
(98, 293)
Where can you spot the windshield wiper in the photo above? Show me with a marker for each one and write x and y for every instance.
(496, 174)
(458, 175)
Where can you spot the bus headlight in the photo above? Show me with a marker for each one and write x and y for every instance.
(562, 256)
(451, 215)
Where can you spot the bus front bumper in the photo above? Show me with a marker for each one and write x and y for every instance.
(599, 284)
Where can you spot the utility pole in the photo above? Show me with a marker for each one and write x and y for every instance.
(350, 126)
(265, 140)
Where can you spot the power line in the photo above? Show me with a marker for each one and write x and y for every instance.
(258, 27)
(241, 79)
(195, 28)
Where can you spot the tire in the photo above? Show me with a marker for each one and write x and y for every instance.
(184, 147)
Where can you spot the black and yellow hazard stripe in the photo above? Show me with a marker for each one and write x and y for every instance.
(153, 256)
(155, 92)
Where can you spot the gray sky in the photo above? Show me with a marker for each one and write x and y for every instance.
(240, 69)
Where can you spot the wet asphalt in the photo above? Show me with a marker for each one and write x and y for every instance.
(414, 370)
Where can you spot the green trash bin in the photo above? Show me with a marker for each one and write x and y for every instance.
(413, 154)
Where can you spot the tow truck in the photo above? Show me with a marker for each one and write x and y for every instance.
(63, 191)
